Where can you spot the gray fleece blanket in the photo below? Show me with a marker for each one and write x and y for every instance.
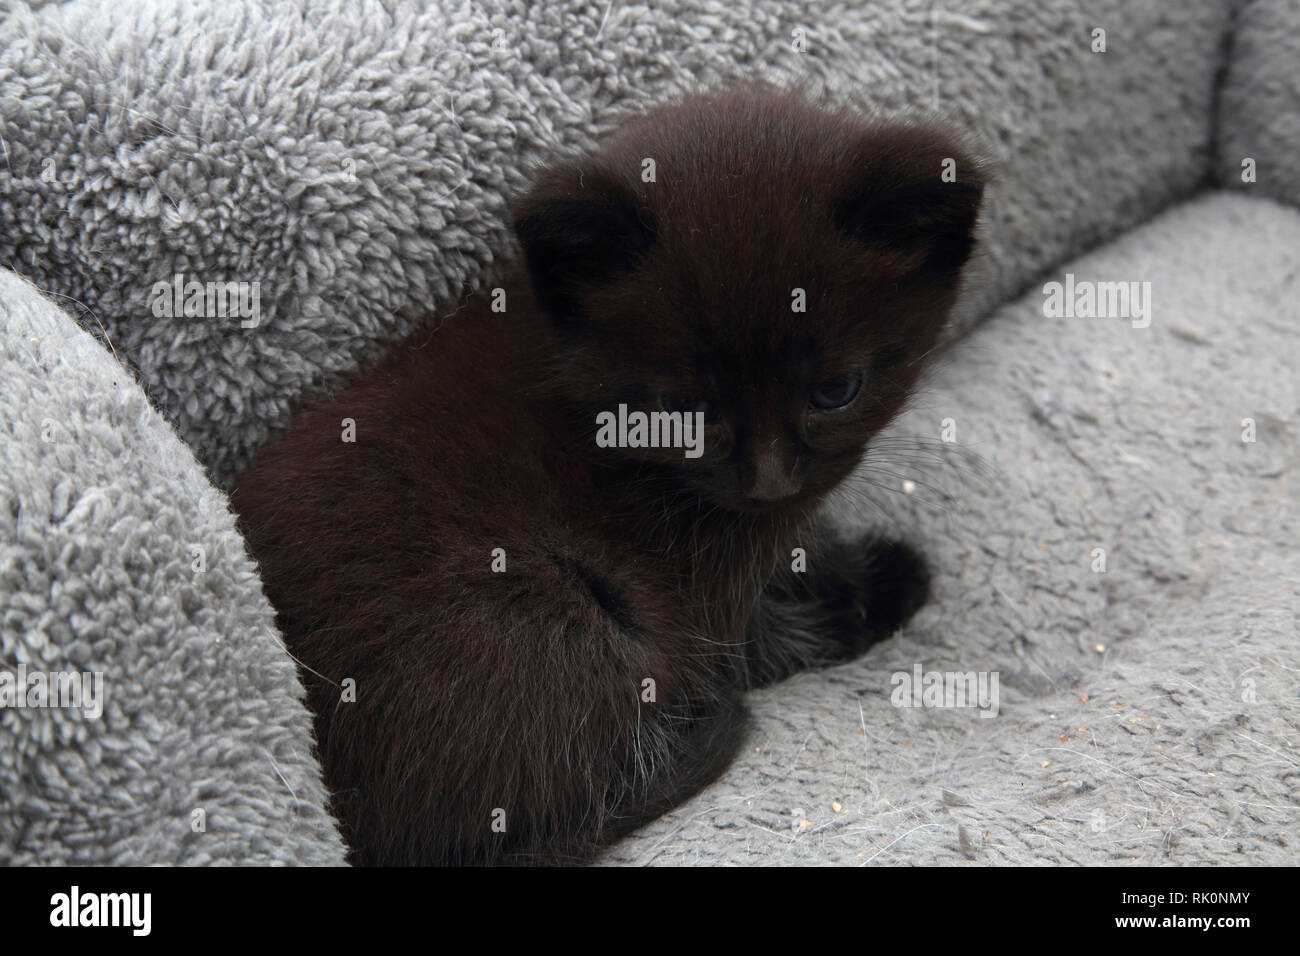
(344, 163)
(173, 729)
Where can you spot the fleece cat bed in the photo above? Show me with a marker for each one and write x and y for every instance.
(119, 558)
(352, 162)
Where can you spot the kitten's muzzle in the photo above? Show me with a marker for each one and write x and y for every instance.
(774, 475)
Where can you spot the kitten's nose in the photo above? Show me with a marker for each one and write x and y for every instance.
(774, 476)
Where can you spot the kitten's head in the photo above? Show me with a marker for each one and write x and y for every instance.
(781, 268)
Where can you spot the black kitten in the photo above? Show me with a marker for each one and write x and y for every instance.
(525, 623)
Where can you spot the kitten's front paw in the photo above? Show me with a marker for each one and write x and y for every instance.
(895, 585)
(876, 589)
(854, 595)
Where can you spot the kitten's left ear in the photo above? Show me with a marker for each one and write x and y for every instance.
(917, 197)
(578, 227)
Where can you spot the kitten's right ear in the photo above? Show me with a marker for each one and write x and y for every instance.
(579, 228)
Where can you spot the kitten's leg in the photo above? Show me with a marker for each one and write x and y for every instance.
(560, 715)
(704, 747)
(851, 595)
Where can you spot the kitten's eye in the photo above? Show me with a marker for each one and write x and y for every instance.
(687, 405)
(838, 392)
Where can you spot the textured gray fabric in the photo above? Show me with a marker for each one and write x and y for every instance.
(100, 504)
(353, 157)
(1259, 103)
(1071, 434)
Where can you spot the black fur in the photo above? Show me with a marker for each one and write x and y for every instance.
(549, 639)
